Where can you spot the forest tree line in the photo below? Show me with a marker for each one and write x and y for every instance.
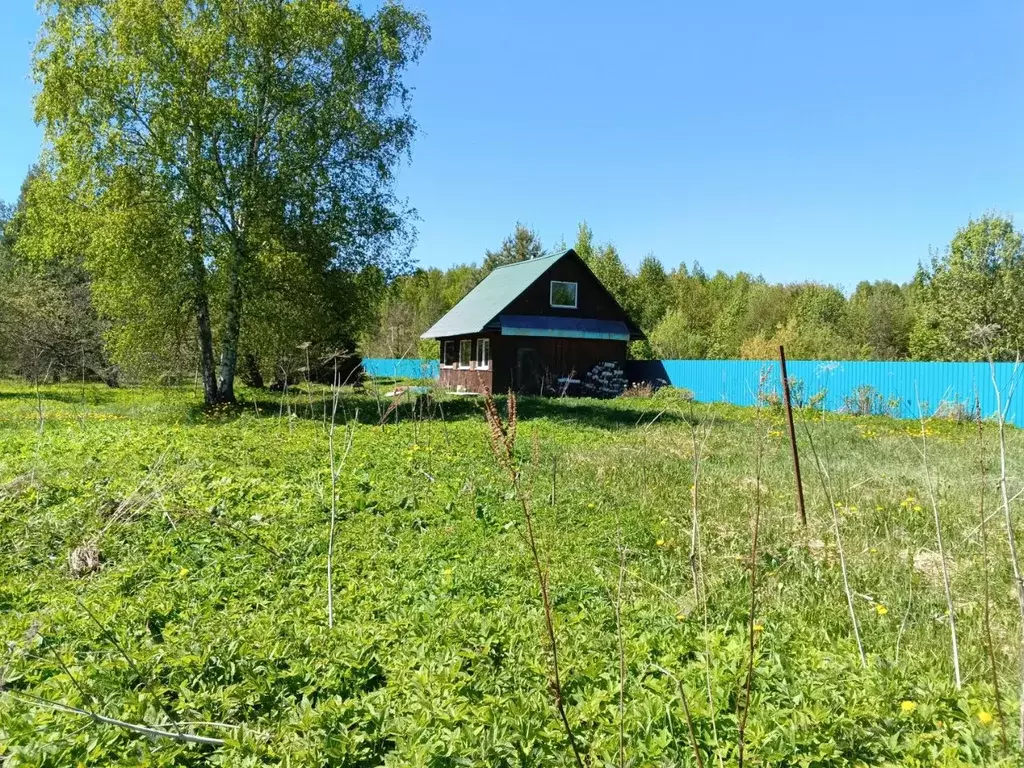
(687, 313)
(52, 325)
(216, 199)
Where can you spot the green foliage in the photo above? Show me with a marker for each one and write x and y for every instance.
(412, 303)
(212, 531)
(522, 245)
(880, 317)
(675, 339)
(978, 281)
(648, 295)
(49, 327)
(221, 160)
(686, 313)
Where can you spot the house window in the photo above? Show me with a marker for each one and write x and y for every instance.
(563, 294)
(465, 353)
(483, 353)
(448, 360)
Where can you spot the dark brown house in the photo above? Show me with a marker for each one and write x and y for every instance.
(532, 326)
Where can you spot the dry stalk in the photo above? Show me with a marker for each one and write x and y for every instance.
(284, 394)
(751, 634)
(700, 431)
(131, 663)
(987, 607)
(502, 439)
(947, 588)
(304, 346)
(906, 614)
(826, 484)
(335, 471)
(145, 730)
(686, 713)
(39, 396)
(1011, 539)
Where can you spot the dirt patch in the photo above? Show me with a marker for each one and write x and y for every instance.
(84, 560)
(929, 565)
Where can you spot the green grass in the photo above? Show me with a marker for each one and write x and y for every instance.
(213, 585)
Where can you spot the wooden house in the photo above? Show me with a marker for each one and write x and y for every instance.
(533, 326)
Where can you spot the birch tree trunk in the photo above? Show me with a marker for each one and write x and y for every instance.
(232, 328)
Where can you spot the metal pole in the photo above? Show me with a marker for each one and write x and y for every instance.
(792, 438)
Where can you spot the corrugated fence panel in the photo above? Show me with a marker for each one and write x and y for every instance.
(890, 387)
(397, 368)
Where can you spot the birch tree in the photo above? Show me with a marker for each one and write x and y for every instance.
(202, 144)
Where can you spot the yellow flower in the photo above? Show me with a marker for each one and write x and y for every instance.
(984, 717)
(907, 707)
(759, 627)
(881, 609)
(680, 616)
(183, 573)
(660, 543)
(590, 505)
(917, 507)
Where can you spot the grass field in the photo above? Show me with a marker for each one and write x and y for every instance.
(196, 598)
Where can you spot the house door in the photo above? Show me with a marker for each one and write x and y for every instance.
(527, 370)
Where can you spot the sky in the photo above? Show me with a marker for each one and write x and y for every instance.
(797, 140)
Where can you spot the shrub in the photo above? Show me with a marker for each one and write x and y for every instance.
(867, 401)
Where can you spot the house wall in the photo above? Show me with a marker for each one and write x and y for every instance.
(592, 298)
(474, 378)
(522, 363)
(529, 363)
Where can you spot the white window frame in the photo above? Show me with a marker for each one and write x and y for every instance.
(466, 344)
(445, 356)
(575, 294)
(483, 354)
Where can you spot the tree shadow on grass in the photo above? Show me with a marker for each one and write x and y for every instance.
(92, 397)
(598, 413)
(366, 408)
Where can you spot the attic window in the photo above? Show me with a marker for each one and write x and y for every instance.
(563, 294)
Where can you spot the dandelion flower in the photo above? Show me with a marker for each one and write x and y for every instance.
(907, 707)
(680, 616)
(881, 609)
(660, 543)
(759, 627)
(984, 717)
(918, 507)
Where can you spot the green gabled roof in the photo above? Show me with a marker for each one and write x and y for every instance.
(495, 292)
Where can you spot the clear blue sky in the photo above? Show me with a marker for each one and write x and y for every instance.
(800, 140)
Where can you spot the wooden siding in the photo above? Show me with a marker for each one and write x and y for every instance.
(532, 364)
(472, 379)
(592, 298)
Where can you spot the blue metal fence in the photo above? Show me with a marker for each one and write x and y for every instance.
(397, 368)
(889, 387)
